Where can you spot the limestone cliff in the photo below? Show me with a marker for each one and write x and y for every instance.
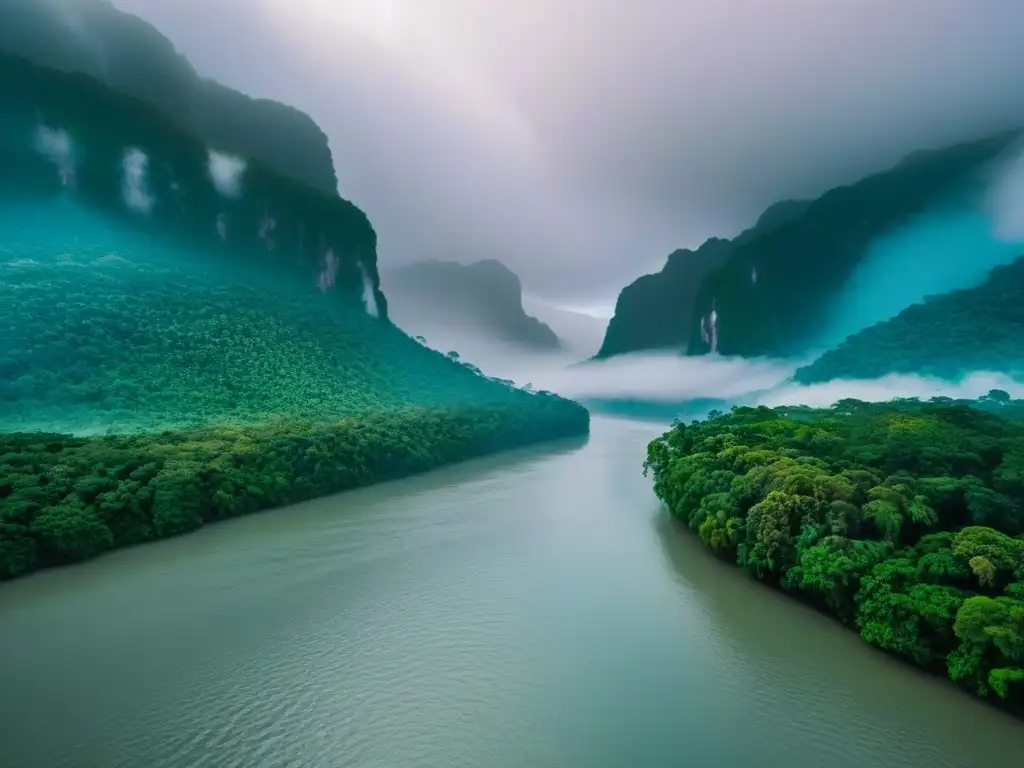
(772, 294)
(657, 311)
(654, 311)
(130, 55)
(69, 139)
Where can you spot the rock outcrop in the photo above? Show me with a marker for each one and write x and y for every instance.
(130, 55)
(656, 312)
(68, 137)
(771, 296)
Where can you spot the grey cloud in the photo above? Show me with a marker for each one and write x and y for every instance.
(581, 141)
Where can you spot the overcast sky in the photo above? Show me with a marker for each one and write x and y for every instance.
(580, 141)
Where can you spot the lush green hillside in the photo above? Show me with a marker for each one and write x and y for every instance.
(904, 520)
(770, 289)
(175, 351)
(977, 329)
(485, 296)
(133, 57)
(223, 396)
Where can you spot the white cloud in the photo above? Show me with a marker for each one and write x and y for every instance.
(226, 172)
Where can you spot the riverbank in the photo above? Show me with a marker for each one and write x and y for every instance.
(65, 499)
(146, 391)
(903, 520)
(536, 607)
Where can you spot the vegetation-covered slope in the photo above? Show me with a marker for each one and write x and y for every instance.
(904, 520)
(485, 297)
(130, 55)
(976, 329)
(180, 345)
(196, 396)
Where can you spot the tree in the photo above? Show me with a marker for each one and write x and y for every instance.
(902, 519)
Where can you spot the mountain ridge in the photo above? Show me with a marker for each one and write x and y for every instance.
(188, 337)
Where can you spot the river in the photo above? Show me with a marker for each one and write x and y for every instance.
(532, 609)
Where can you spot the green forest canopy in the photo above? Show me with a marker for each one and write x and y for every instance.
(227, 392)
(946, 336)
(904, 520)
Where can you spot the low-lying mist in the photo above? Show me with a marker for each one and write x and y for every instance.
(693, 385)
(677, 379)
(935, 253)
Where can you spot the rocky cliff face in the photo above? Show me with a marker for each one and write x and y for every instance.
(479, 299)
(771, 295)
(68, 139)
(130, 55)
(767, 291)
(654, 311)
(657, 311)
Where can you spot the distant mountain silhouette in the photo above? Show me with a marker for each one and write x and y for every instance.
(483, 298)
(580, 333)
(130, 55)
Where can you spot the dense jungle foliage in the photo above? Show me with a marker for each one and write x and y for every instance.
(64, 498)
(904, 520)
(976, 329)
(198, 391)
(142, 339)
